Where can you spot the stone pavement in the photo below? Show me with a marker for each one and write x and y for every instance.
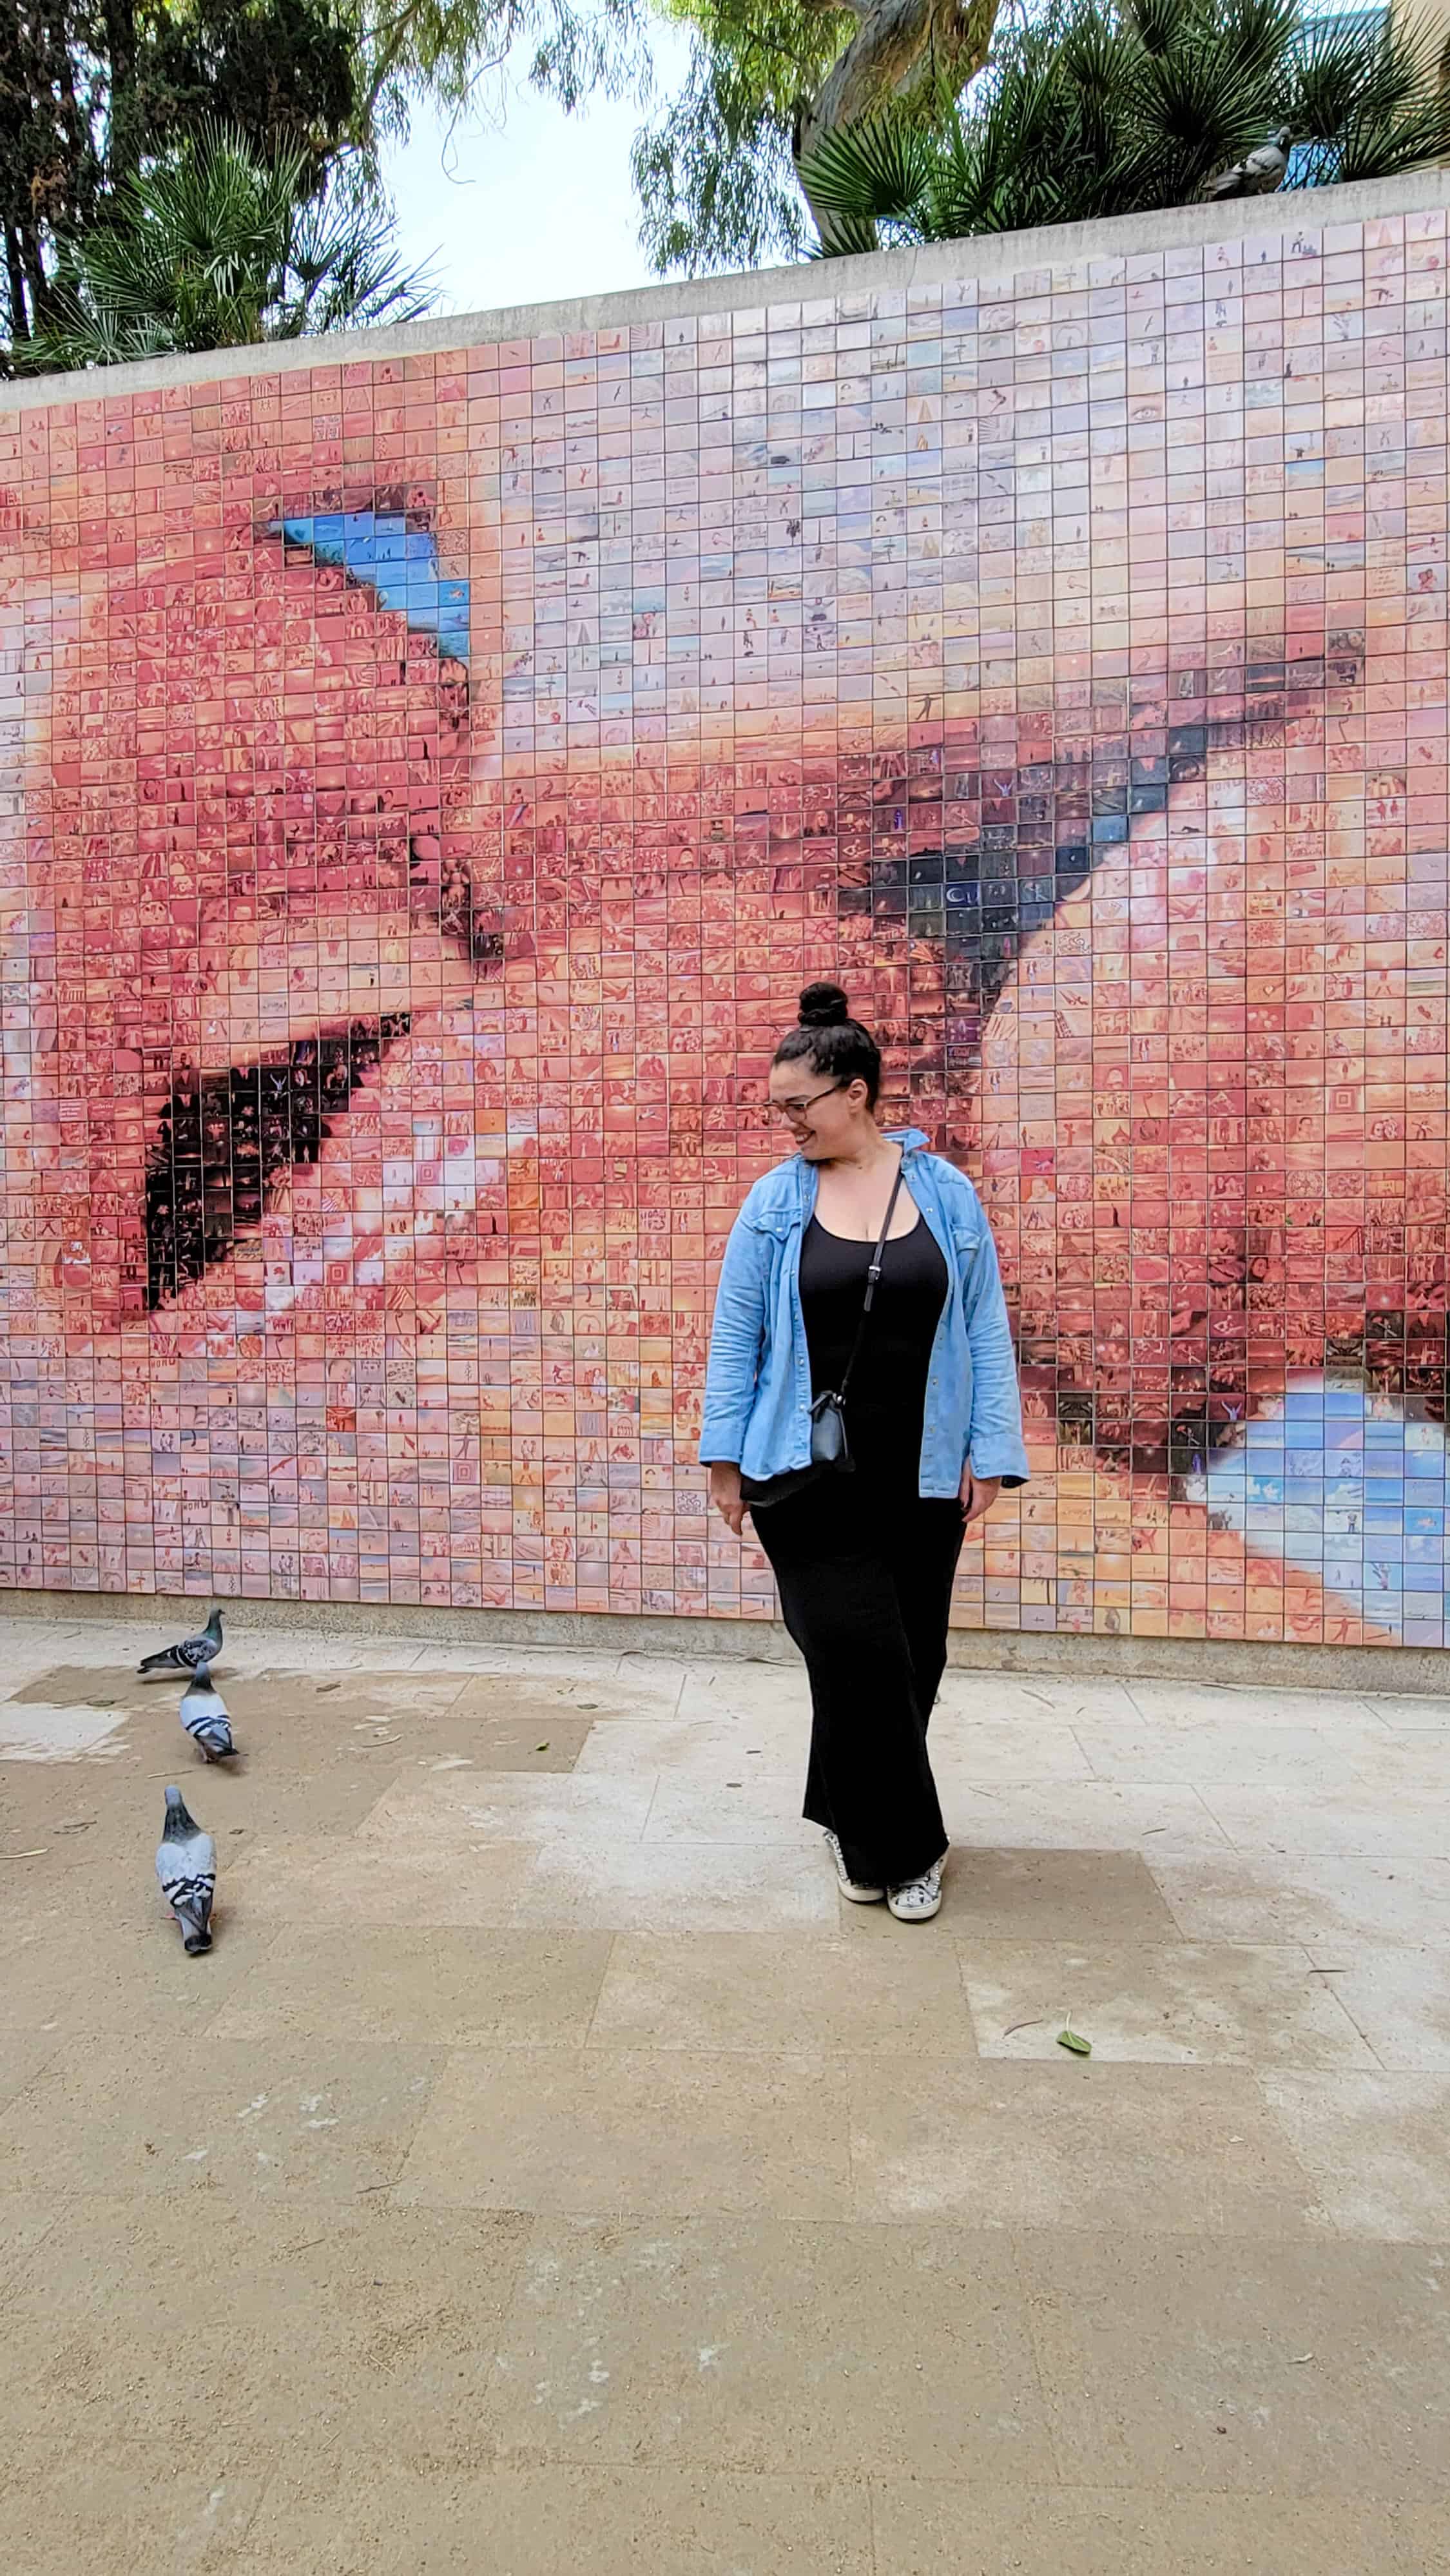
(546, 2169)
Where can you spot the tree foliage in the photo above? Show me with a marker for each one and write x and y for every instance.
(1105, 107)
(215, 248)
(716, 177)
(722, 177)
(92, 91)
(283, 73)
(443, 49)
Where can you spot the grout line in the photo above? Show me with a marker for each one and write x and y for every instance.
(1315, 2208)
(235, 2552)
(66, 2208)
(1093, 1772)
(656, 1787)
(209, 2028)
(587, 2039)
(12, 2101)
(1329, 1982)
(1050, 2414)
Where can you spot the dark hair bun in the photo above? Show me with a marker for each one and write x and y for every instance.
(823, 1006)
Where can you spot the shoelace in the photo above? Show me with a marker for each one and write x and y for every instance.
(918, 1889)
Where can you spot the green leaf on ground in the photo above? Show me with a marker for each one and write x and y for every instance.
(1072, 2039)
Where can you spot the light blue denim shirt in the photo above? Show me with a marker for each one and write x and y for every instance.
(758, 1384)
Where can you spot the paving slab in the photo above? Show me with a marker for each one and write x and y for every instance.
(924, 2524)
(1190, 2151)
(706, 1752)
(597, 2130)
(26, 2217)
(1040, 1895)
(1398, 1999)
(1408, 1820)
(1397, 1901)
(127, 2509)
(139, 2318)
(764, 2346)
(1234, 1751)
(359, 2516)
(1374, 2148)
(1084, 1815)
(1309, 2368)
(448, 1986)
(315, 2116)
(1173, 2005)
(813, 1994)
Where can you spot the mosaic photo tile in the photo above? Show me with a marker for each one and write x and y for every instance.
(428, 782)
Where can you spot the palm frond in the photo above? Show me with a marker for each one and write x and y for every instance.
(873, 172)
(220, 247)
(1373, 98)
(1093, 108)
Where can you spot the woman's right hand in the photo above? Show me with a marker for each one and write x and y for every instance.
(726, 1496)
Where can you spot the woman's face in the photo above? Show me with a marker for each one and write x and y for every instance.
(823, 1118)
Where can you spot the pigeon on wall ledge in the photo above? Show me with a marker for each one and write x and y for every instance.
(1258, 173)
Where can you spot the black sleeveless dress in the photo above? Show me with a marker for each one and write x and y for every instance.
(864, 1566)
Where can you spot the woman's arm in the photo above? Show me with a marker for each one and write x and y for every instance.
(737, 1337)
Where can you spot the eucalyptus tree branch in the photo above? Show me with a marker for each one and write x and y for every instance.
(898, 41)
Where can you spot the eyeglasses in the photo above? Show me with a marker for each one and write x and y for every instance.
(798, 1108)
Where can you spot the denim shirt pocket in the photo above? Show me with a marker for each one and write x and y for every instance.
(776, 1222)
(774, 1227)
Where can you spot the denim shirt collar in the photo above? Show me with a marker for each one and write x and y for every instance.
(910, 1139)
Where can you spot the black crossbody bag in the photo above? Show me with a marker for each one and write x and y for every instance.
(830, 1449)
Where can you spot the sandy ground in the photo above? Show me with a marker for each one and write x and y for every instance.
(547, 2169)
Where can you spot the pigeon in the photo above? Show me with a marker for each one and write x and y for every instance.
(186, 1867)
(204, 1716)
(1257, 173)
(190, 1655)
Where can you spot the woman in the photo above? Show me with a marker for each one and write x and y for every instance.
(864, 1559)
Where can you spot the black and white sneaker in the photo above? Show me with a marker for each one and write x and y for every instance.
(918, 1899)
(849, 1886)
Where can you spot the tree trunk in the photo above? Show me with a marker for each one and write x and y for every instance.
(37, 284)
(898, 43)
(15, 276)
(123, 147)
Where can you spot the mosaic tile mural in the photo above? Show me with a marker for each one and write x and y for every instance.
(429, 781)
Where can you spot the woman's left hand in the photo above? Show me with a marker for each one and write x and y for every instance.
(979, 1493)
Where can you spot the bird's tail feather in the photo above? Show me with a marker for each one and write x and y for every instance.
(193, 1913)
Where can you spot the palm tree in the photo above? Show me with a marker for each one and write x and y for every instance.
(217, 247)
(1104, 107)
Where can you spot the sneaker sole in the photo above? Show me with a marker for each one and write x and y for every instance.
(860, 1895)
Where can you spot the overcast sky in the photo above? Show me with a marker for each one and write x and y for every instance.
(527, 204)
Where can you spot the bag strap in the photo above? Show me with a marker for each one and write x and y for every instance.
(873, 1273)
